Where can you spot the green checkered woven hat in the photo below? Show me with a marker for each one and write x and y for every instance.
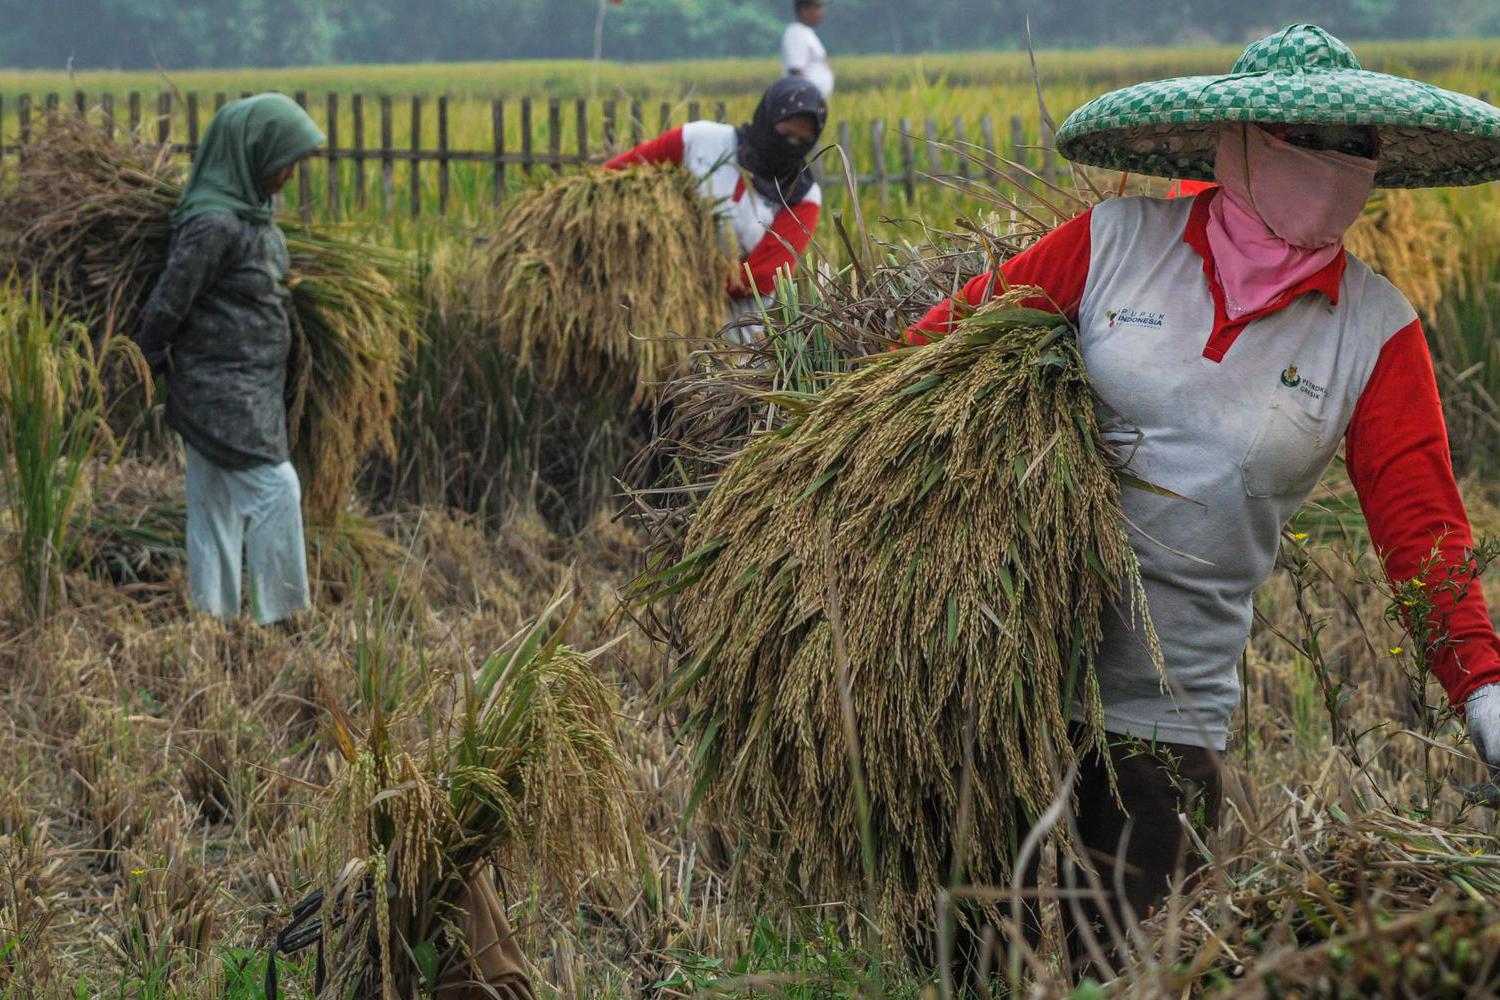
(1301, 75)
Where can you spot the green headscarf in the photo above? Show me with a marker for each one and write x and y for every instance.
(246, 141)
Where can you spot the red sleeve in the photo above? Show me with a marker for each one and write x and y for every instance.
(784, 243)
(1058, 264)
(666, 148)
(1397, 451)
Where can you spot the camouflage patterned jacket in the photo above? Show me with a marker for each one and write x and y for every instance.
(217, 323)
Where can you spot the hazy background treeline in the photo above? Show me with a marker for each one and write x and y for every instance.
(181, 34)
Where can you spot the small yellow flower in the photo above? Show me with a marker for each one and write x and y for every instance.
(1299, 536)
(1418, 583)
(1397, 650)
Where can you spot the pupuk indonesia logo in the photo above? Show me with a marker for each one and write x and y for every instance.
(1290, 378)
(1130, 317)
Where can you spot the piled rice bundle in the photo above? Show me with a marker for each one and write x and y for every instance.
(600, 279)
(1369, 905)
(941, 529)
(89, 217)
(521, 768)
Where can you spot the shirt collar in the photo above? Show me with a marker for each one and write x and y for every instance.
(1328, 281)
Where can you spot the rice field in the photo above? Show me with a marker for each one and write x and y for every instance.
(479, 679)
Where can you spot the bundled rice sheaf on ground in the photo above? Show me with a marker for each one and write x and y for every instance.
(901, 589)
(522, 767)
(86, 216)
(603, 281)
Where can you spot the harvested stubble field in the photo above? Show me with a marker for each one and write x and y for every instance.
(173, 786)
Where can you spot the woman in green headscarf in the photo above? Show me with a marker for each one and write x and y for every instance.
(216, 326)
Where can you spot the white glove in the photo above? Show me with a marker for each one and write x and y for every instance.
(1483, 711)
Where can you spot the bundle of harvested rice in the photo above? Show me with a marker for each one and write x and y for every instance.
(89, 216)
(478, 432)
(520, 765)
(1372, 904)
(1407, 245)
(940, 531)
(601, 279)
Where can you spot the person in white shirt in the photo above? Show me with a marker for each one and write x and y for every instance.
(802, 52)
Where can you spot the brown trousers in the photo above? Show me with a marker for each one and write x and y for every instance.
(1141, 850)
(1137, 846)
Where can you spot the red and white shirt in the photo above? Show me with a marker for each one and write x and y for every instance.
(1243, 417)
(772, 236)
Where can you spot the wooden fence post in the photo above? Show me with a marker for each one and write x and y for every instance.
(304, 175)
(416, 163)
(721, 112)
(81, 102)
(53, 103)
(908, 161)
(666, 117)
(987, 129)
(877, 142)
(693, 111)
(387, 163)
(164, 117)
(934, 161)
(497, 127)
(636, 123)
(106, 108)
(581, 110)
(23, 120)
(526, 136)
(443, 155)
(192, 123)
(554, 133)
(1049, 155)
(846, 143)
(960, 142)
(135, 112)
(220, 99)
(357, 109)
(331, 129)
(611, 109)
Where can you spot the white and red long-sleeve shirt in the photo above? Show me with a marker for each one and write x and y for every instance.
(772, 237)
(1243, 417)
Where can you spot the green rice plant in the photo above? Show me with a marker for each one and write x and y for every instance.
(902, 584)
(520, 764)
(53, 422)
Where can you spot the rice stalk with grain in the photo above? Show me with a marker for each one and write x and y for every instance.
(902, 587)
(603, 281)
(519, 765)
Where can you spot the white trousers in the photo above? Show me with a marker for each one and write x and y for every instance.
(256, 511)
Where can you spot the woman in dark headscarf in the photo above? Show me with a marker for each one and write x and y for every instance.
(217, 327)
(759, 176)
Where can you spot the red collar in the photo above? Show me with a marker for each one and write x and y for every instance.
(1327, 281)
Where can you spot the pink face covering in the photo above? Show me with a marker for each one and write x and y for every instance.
(1282, 213)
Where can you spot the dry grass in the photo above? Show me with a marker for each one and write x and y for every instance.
(88, 217)
(602, 282)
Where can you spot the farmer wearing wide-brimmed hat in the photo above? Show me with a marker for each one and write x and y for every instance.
(1234, 345)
